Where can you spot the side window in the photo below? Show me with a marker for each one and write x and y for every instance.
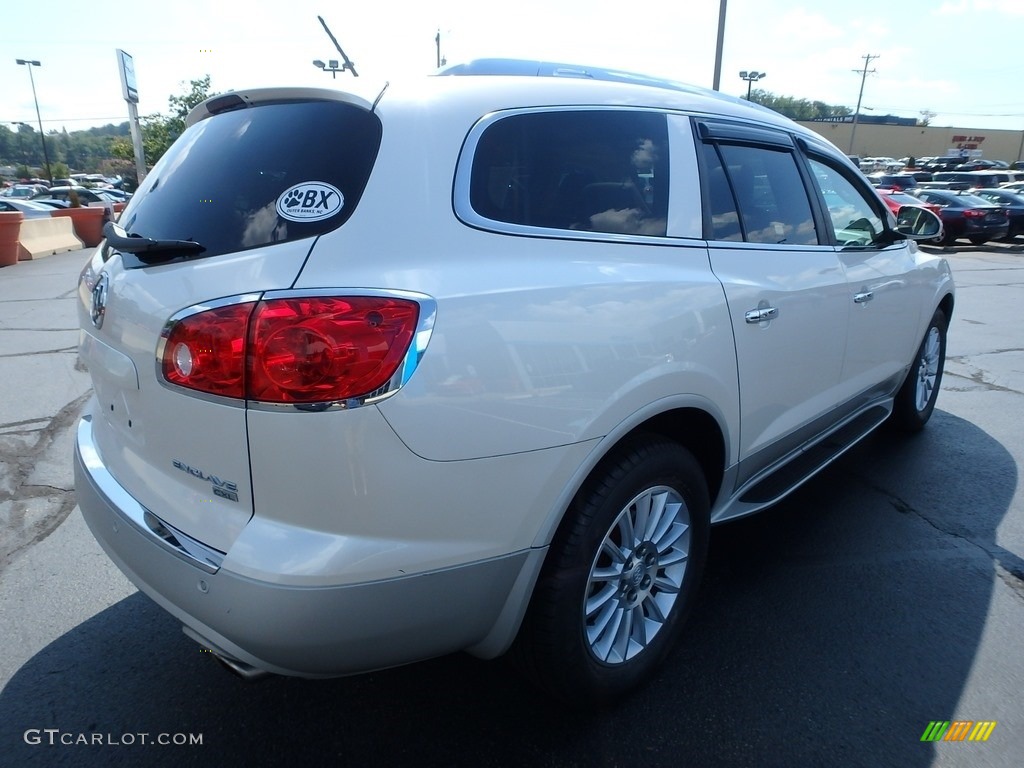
(591, 171)
(756, 194)
(854, 220)
(725, 220)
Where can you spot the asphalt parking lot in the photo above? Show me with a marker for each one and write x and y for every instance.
(884, 595)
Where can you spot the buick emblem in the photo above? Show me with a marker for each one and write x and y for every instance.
(99, 300)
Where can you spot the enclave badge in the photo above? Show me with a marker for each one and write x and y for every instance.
(99, 300)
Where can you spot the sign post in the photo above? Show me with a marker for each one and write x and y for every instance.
(130, 92)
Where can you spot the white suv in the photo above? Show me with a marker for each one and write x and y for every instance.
(474, 363)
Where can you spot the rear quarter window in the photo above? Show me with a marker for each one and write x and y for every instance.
(587, 171)
(269, 173)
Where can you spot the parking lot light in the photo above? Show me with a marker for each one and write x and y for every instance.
(32, 63)
(751, 77)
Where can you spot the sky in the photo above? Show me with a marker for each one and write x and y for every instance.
(955, 58)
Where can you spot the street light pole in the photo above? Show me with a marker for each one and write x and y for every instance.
(751, 78)
(31, 63)
(717, 80)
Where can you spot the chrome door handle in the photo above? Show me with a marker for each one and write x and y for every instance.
(761, 314)
(863, 298)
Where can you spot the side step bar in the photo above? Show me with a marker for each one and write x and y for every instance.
(814, 458)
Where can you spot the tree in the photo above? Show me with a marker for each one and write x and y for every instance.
(797, 109)
(59, 170)
(160, 131)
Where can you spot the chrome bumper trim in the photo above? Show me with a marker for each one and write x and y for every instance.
(166, 536)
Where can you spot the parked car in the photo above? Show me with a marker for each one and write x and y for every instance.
(967, 216)
(1013, 186)
(25, 191)
(883, 164)
(902, 204)
(948, 163)
(895, 199)
(482, 375)
(86, 196)
(982, 164)
(117, 195)
(49, 202)
(974, 179)
(950, 185)
(1012, 201)
(897, 181)
(31, 209)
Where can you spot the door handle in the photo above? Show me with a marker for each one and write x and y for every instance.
(863, 298)
(761, 314)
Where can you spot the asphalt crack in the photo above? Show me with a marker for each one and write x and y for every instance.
(59, 351)
(977, 375)
(1008, 566)
(29, 512)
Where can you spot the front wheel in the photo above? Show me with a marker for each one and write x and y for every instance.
(916, 399)
(621, 574)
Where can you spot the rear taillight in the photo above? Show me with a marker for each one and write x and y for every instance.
(974, 213)
(206, 351)
(291, 350)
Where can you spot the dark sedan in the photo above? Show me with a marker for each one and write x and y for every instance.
(1012, 201)
(967, 216)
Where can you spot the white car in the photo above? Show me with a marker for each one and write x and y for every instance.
(474, 363)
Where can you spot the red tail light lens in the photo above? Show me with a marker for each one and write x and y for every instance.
(974, 213)
(320, 349)
(292, 350)
(206, 351)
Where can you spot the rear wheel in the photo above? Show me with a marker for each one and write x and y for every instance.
(621, 574)
(916, 399)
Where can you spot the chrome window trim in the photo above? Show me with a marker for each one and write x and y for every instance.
(464, 171)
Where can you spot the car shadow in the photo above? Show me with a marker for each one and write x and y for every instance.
(829, 629)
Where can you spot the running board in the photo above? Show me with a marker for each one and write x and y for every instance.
(811, 460)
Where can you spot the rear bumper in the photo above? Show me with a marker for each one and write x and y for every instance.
(321, 631)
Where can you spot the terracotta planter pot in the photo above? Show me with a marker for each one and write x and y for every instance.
(10, 229)
(88, 223)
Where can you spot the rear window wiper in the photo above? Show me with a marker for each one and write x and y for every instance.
(148, 249)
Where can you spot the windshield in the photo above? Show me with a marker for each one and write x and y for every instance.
(269, 173)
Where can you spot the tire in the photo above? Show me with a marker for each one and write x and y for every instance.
(978, 240)
(916, 399)
(612, 598)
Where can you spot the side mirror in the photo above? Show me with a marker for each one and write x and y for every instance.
(918, 223)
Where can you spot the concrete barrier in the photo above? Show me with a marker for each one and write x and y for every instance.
(45, 237)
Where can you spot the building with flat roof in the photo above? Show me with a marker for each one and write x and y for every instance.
(874, 139)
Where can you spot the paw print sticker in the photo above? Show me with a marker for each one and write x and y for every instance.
(310, 201)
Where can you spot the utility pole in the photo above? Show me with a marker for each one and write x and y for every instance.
(863, 76)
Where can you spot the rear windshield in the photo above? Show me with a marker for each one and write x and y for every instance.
(265, 174)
